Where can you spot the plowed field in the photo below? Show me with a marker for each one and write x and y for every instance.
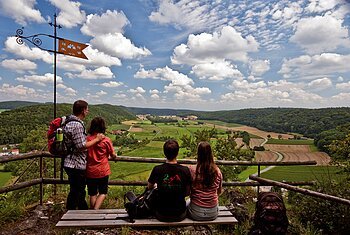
(265, 156)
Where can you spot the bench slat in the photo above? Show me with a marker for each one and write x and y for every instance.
(140, 222)
(104, 216)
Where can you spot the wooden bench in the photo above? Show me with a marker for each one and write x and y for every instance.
(118, 218)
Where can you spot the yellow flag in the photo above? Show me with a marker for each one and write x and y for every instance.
(72, 48)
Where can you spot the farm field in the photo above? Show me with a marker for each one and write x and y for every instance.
(303, 173)
(265, 156)
(299, 153)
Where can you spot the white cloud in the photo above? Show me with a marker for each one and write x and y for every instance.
(25, 52)
(155, 96)
(317, 65)
(180, 84)
(119, 96)
(320, 84)
(116, 44)
(21, 11)
(194, 15)
(99, 73)
(70, 92)
(320, 34)
(154, 91)
(17, 92)
(70, 14)
(108, 22)
(216, 71)
(137, 90)
(279, 93)
(343, 86)
(321, 5)
(259, 67)
(41, 80)
(111, 84)
(19, 65)
(101, 93)
(226, 44)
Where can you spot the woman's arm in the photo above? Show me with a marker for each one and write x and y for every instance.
(98, 138)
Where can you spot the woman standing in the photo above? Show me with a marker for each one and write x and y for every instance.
(206, 185)
(98, 169)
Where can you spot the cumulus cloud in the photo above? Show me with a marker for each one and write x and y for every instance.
(317, 65)
(137, 90)
(41, 80)
(21, 11)
(70, 14)
(99, 73)
(19, 66)
(259, 67)
(26, 52)
(194, 15)
(320, 84)
(216, 71)
(321, 5)
(274, 93)
(180, 84)
(101, 93)
(225, 44)
(108, 22)
(116, 44)
(111, 84)
(320, 34)
(17, 92)
(343, 86)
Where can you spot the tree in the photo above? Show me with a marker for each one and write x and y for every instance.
(279, 136)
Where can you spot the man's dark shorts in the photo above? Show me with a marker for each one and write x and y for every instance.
(97, 185)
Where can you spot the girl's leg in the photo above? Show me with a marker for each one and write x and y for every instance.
(99, 200)
(93, 201)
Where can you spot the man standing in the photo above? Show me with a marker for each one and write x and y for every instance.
(75, 162)
(173, 182)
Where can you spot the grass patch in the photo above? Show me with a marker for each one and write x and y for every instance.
(304, 173)
(4, 176)
(250, 170)
(290, 142)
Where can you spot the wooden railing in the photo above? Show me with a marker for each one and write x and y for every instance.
(258, 181)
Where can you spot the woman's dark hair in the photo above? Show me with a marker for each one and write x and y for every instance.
(97, 125)
(206, 169)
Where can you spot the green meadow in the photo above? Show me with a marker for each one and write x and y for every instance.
(4, 176)
(304, 173)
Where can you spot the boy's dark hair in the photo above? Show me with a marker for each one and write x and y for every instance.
(171, 149)
(97, 125)
(79, 106)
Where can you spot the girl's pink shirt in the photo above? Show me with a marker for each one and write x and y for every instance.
(205, 196)
(97, 161)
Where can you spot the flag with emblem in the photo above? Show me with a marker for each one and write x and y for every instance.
(71, 48)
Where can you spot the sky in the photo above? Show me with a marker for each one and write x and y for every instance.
(184, 54)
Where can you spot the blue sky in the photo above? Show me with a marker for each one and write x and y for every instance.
(188, 54)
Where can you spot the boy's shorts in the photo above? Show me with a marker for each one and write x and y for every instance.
(97, 185)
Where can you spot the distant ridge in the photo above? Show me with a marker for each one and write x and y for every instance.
(16, 104)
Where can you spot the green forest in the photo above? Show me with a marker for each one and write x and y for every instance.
(15, 124)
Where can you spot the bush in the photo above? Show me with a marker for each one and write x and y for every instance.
(326, 216)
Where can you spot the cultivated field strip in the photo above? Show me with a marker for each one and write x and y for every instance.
(266, 156)
(320, 157)
(288, 148)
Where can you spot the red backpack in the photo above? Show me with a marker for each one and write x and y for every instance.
(56, 137)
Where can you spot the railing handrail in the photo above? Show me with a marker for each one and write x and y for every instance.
(36, 154)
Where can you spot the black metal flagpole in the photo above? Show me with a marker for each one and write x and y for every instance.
(54, 25)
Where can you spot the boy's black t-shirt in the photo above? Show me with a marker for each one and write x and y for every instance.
(172, 182)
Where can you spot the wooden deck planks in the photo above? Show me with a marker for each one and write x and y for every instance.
(118, 218)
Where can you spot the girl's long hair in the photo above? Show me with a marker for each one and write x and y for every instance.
(97, 125)
(206, 169)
